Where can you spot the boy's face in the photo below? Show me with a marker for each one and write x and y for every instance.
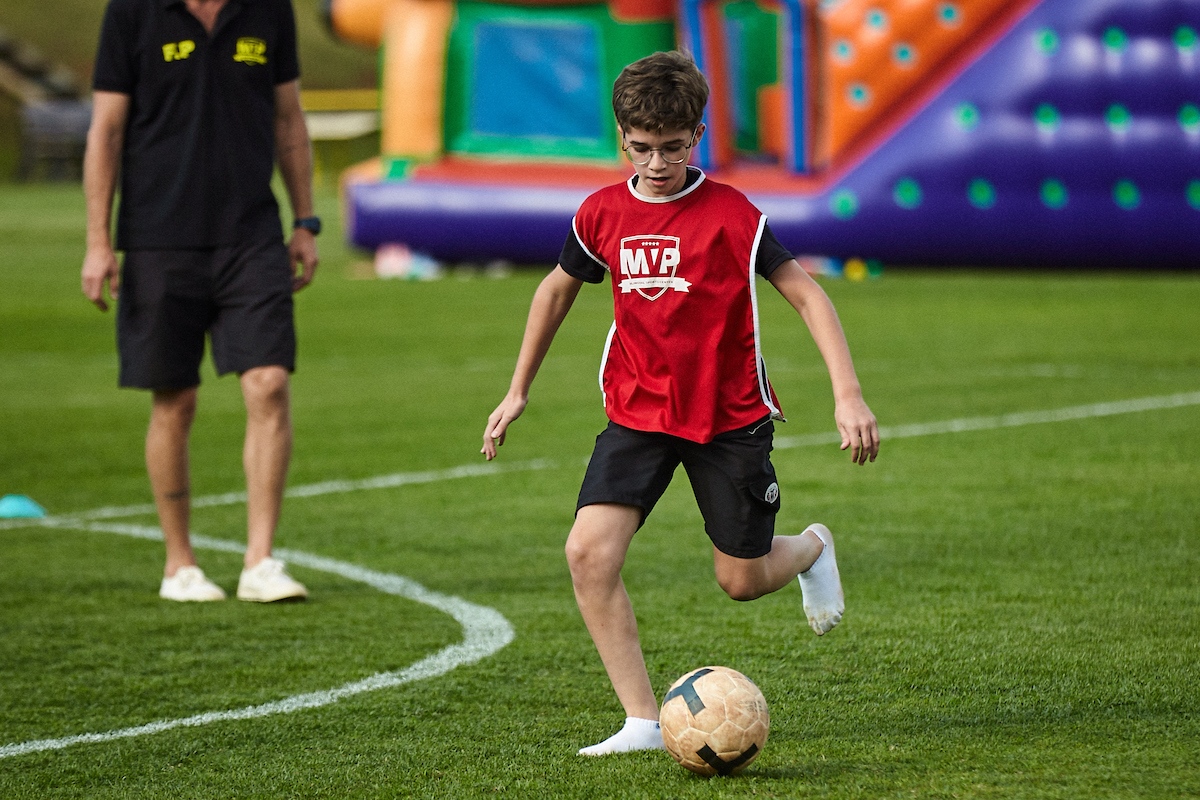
(658, 177)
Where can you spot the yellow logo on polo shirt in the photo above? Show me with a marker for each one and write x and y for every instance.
(251, 51)
(178, 51)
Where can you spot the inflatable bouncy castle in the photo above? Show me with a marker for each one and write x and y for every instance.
(957, 132)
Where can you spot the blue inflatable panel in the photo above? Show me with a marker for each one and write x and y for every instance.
(557, 68)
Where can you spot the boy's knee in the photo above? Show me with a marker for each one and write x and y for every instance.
(740, 588)
(591, 563)
(741, 583)
(581, 557)
(599, 541)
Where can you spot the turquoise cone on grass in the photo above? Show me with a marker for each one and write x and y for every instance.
(14, 506)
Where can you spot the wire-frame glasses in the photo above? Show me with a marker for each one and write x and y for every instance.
(641, 155)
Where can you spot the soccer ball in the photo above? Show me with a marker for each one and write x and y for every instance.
(714, 721)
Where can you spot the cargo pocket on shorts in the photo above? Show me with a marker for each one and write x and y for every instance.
(765, 492)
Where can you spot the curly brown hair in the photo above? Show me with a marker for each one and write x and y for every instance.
(663, 91)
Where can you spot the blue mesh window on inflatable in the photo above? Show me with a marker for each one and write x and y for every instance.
(557, 68)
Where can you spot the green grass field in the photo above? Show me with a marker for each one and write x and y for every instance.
(1022, 591)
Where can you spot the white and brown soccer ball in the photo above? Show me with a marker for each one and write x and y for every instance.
(714, 721)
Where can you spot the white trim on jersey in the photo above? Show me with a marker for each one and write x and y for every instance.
(583, 247)
(612, 331)
(688, 188)
(760, 366)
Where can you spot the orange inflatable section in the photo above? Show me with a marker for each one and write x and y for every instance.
(358, 21)
(877, 56)
(414, 77)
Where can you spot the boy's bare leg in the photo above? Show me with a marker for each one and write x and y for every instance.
(171, 417)
(596, 552)
(810, 556)
(751, 578)
(266, 454)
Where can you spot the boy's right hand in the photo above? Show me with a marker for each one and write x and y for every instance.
(497, 424)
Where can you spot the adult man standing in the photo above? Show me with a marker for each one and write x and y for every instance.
(194, 102)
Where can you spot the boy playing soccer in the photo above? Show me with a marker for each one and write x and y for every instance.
(682, 378)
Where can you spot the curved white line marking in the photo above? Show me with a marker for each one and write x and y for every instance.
(485, 631)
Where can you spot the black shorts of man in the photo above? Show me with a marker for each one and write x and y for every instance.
(195, 101)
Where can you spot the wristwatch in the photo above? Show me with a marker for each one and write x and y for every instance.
(310, 224)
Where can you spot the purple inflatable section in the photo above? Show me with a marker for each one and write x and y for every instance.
(464, 222)
(1074, 141)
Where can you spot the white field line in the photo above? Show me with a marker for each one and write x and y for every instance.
(485, 631)
(962, 425)
(1017, 420)
(307, 490)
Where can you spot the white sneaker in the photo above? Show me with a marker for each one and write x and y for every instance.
(188, 584)
(821, 586)
(267, 581)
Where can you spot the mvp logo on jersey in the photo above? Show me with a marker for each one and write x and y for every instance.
(648, 264)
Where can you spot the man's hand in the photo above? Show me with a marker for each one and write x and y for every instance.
(302, 250)
(100, 268)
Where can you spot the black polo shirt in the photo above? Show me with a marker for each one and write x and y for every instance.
(200, 139)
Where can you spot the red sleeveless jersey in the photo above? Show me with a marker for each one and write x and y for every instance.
(684, 355)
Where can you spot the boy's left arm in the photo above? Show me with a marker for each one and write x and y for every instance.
(855, 422)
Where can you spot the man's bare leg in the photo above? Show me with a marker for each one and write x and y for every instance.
(266, 455)
(167, 438)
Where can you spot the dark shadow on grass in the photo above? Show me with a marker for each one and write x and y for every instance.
(825, 771)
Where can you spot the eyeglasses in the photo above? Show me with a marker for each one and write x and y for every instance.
(641, 155)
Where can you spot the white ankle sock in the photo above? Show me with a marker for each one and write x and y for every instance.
(821, 586)
(638, 734)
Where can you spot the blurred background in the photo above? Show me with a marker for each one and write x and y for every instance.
(46, 54)
(1031, 133)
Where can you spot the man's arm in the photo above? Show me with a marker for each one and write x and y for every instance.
(854, 419)
(551, 302)
(101, 164)
(294, 153)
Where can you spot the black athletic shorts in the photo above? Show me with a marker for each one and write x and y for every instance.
(241, 297)
(732, 477)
